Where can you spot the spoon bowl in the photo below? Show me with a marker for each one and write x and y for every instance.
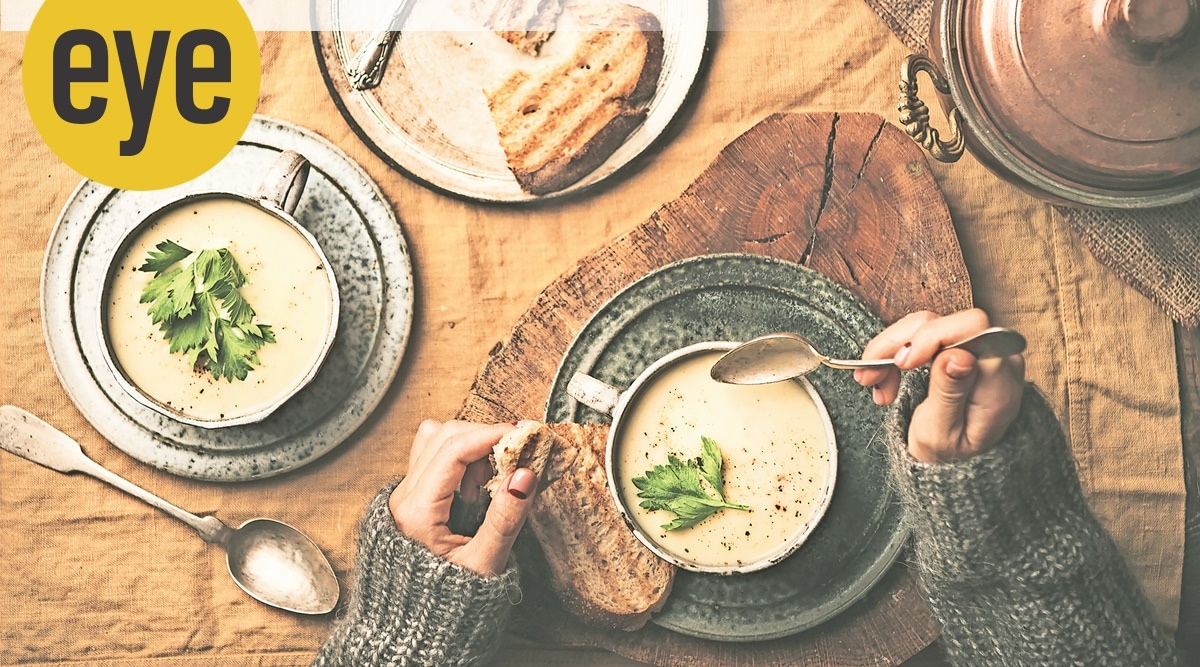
(782, 356)
(278, 565)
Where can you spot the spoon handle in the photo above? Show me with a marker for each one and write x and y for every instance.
(34, 440)
(993, 343)
(365, 69)
(851, 364)
(989, 343)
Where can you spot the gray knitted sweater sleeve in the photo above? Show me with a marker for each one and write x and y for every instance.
(412, 607)
(1017, 569)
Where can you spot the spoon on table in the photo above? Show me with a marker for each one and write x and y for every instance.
(273, 562)
(783, 356)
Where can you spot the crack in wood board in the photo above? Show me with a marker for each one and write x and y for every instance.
(769, 239)
(866, 158)
(825, 189)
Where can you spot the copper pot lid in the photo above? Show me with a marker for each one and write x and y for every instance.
(1093, 100)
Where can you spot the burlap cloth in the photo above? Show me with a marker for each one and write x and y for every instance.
(1157, 251)
(91, 576)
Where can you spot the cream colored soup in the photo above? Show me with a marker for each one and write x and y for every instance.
(286, 285)
(777, 460)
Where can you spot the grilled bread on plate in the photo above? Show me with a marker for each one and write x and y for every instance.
(562, 116)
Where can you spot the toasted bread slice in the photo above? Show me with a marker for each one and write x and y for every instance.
(602, 574)
(560, 121)
(526, 24)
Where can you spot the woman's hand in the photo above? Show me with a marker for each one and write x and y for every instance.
(971, 401)
(448, 455)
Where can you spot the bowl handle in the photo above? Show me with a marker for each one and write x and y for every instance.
(914, 115)
(593, 393)
(285, 181)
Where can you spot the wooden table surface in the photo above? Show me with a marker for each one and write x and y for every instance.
(847, 195)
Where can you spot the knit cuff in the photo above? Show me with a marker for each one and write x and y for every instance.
(973, 517)
(410, 606)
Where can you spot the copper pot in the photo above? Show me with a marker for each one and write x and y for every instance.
(1082, 102)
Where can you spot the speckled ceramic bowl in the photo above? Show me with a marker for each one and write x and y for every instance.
(279, 195)
(607, 399)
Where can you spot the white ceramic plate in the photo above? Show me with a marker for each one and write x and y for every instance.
(429, 117)
(344, 209)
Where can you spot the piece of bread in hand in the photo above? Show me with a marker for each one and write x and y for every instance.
(526, 24)
(527, 446)
(600, 572)
(561, 120)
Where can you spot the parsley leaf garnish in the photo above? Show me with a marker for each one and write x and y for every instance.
(677, 487)
(167, 253)
(711, 464)
(201, 312)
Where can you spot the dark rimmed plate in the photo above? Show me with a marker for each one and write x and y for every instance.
(738, 297)
(429, 118)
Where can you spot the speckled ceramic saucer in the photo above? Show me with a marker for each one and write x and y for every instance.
(738, 297)
(344, 209)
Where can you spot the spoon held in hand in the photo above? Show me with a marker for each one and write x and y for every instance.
(783, 356)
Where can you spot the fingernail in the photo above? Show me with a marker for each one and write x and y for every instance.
(877, 395)
(957, 370)
(903, 353)
(522, 482)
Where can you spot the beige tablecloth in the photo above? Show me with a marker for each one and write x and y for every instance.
(93, 576)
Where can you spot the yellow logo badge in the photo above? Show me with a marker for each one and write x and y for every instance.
(140, 94)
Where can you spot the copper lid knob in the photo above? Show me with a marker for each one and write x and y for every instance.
(1146, 30)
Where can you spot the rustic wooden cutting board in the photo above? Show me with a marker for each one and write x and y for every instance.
(845, 194)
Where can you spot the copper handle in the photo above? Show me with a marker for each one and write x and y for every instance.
(914, 114)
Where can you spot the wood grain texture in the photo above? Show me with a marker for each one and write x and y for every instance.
(845, 194)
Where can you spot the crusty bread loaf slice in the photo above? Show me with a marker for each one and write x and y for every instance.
(602, 574)
(526, 24)
(599, 571)
(560, 121)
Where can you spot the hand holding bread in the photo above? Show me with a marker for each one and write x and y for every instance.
(599, 570)
(445, 457)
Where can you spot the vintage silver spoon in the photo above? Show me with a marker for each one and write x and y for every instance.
(783, 356)
(366, 67)
(271, 561)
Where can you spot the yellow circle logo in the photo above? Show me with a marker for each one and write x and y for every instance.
(141, 94)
